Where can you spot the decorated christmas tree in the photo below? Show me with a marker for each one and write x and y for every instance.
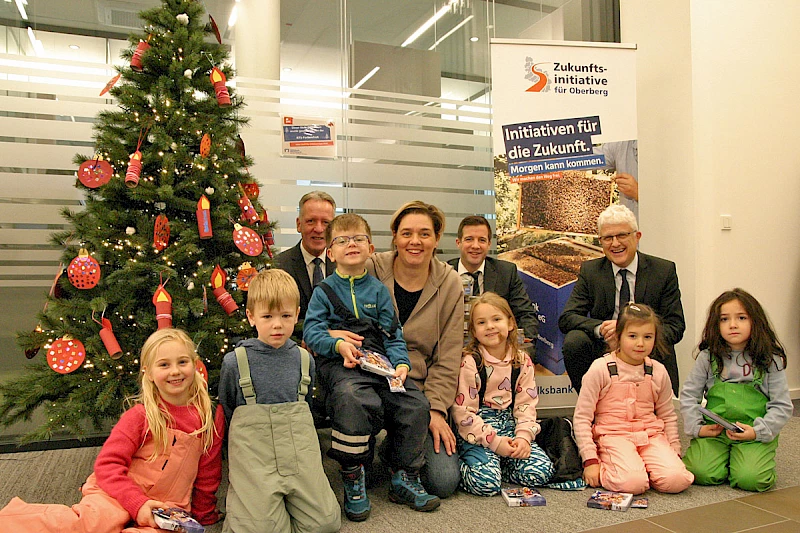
(170, 233)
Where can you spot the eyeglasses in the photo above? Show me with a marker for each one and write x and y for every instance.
(608, 239)
(344, 240)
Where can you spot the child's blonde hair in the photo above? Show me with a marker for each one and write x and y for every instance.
(158, 418)
(499, 303)
(272, 288)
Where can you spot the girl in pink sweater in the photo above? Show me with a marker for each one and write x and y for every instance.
(164, 452)
(495, 407)
(625, 424)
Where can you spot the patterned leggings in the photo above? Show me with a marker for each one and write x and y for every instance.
(482, 470)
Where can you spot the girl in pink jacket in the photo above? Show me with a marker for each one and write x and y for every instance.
(495, 407)
(625, 424)
(164, 452)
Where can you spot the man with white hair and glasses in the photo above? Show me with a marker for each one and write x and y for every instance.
(605, 284)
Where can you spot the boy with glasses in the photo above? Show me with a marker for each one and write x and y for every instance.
(360, 403)
(605, 285)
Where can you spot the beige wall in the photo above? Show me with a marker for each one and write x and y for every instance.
(718, 115)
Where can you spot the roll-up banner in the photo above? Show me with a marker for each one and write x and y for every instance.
(565, 148)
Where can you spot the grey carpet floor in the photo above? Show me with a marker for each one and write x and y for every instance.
(55, 477)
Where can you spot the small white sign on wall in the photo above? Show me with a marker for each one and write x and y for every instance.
(308, 136)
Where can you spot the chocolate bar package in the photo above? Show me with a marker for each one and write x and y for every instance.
(176, 519)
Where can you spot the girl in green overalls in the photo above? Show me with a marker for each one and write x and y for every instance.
(740, 370)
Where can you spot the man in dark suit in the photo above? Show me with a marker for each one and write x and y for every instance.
(307, 262)
(589, 319)
(494, 275)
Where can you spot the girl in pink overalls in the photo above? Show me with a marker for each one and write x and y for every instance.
(625, 424)
(740, 370)
(163, 452)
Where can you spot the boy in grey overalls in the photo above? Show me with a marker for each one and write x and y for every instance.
(275, 466)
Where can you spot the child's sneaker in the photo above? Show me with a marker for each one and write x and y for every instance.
(356, 502)
(408, 489)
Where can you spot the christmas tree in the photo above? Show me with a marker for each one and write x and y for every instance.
(170, 212)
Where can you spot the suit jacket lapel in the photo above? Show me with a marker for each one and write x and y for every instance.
(489, 276)
(641, 280)
(301, 272)
(609, 287)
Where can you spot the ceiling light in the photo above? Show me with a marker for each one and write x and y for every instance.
(21, 9)
(365, 78)
(474, 39)
(427, 24)
(287, 69)
(234, 16)
(74, 47)
(451, 32)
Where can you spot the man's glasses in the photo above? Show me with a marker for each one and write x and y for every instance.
(608, 239)
(344, 240)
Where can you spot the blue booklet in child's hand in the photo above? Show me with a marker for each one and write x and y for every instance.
(176, 519)
(727, 424)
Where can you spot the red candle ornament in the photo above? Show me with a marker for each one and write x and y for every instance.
(66, 355)
(249, 213)
(218, 279)
(161, 232)
(109, 340)
(136, 60)
(204, 218)
(163, 302)
(95, 173)
(218, 80)
(247, 241)
(245, 276)
(269, 239)
(134, 170)
(84, 271)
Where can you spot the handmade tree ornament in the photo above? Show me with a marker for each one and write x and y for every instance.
(251, 189)
(249, 213)
(183, 19)
(113, 81)
(108, 338)
(218, 279)
(161, 232)
(95, 172)
(245, 276)
(141, 48)
(218, 80)
(269, 239)
(205, 145)
(134, 170)
(163, 302)
(204, 218)
(66, 355)
(84, 271)
(247, 241)
(214, 28)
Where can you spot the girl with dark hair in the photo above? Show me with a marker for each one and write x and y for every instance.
(740, 371)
